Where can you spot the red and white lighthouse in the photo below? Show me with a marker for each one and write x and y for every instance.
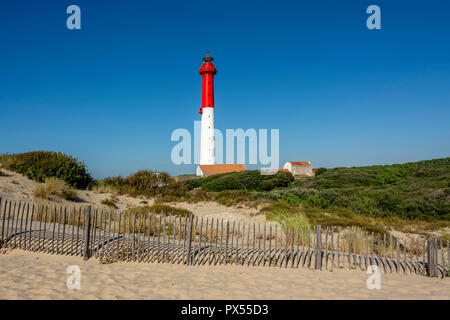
(208, 145)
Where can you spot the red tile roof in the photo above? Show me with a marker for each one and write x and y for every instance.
(300, 163)
(209, 169)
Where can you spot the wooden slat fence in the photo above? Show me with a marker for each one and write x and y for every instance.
(113, 235)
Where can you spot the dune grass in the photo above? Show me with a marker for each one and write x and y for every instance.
(286, 215)
(161, 209)
(109, 203)
(55, 187)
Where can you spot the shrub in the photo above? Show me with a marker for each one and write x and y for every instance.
(143, 182)
(198, 195)
(55, 187)
(319, 171)
(417, 190)
(194, 183)
(109, 203)
(291, 199)
(40, 165)
(386, 177)
(317, 202)
(245, 180)
(69, 194)
(363, 205)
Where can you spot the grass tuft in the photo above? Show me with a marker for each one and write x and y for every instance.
(109, 203)
(286, 215)
(160, 209)
(57, 188)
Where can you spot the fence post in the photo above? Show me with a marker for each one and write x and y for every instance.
(189, 256)
(318, 247)
(431, 270)
(436, 257)
(428, 269)
(3, 221)
(86, 232)
(448, 258)
(226, 242)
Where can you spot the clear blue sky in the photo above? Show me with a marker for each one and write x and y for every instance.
(111, 93)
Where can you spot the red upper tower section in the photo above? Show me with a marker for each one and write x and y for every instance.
(207, 71)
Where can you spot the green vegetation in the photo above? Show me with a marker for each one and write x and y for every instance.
(319, 171)
(287, 215)
(143, 182)
(109, 203)
(411, 195)
(40, 165)
(245, 180)
(160, 208)
(417, 190)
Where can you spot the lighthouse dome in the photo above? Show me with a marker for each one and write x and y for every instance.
(208, 57)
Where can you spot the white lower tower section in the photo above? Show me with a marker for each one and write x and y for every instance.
(207, 140)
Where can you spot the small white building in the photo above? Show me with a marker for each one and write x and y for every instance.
(299, 169)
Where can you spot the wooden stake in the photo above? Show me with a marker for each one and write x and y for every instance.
(87, 231)
(25, 229)
(332, 247)
(270, 245)
(226, 242)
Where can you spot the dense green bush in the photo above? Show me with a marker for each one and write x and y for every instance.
(251, 180)
(40, 165)
(141, 180)
(319, 171)
(417, 190)
(144, 182)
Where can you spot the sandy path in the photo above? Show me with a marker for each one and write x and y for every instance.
(217, 211)
(26, 275)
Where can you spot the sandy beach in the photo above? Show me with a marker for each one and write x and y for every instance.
(28, 275)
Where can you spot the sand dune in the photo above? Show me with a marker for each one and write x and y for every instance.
(27, 275)
(16, 186)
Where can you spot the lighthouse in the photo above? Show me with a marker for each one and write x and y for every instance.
(207, 139)
(208, 164)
